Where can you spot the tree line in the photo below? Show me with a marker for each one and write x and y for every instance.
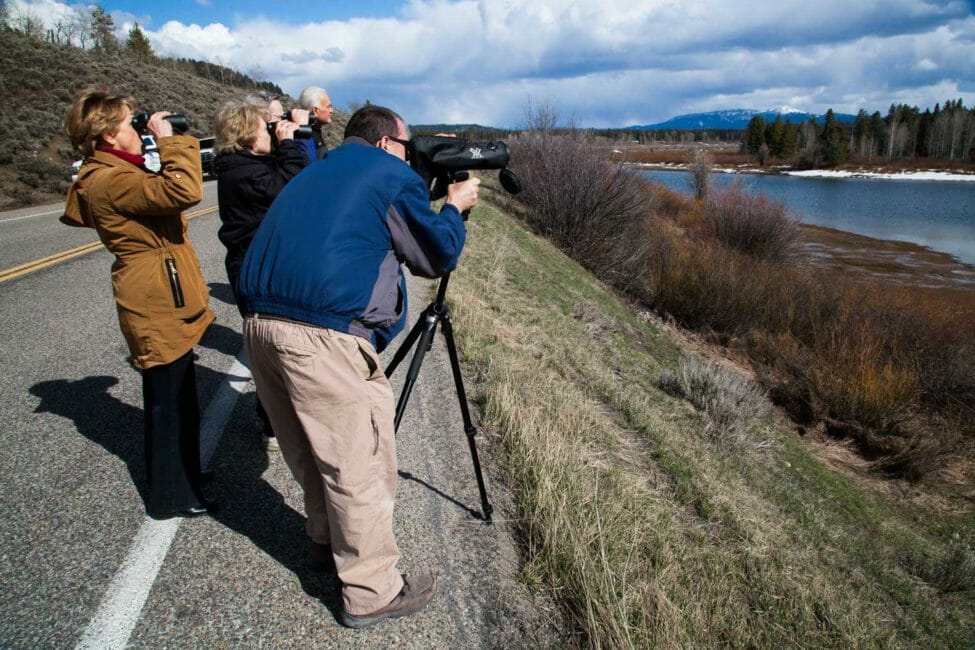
(946, 132)
(90, 27)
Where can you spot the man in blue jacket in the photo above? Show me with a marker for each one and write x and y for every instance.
(323, 291)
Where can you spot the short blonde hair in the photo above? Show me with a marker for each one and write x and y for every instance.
(236, 125)
(97, 110)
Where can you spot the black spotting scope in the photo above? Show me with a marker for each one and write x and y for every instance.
(442, 160)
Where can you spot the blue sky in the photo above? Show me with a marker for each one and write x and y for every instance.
(204, 12)
(598, 63)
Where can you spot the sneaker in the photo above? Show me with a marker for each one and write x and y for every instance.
(417, 591)
(271, 443)
(320, 556)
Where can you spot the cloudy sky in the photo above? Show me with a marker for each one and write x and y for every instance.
(600, 63)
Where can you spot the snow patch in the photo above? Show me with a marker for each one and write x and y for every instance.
(905, 176)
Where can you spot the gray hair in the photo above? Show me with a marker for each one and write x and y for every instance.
(311, 96)
(262, 97)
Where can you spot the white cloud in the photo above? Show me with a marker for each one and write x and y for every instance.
(609, 63)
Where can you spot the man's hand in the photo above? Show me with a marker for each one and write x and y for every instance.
(299, 116)
(463, 196)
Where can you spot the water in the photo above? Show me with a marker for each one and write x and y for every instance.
(936, 214)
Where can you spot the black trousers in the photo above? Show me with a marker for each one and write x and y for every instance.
(172, 440)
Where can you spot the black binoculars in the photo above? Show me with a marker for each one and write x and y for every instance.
(140, 122)
(303, 132)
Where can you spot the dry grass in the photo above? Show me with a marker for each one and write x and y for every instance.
(652, 531)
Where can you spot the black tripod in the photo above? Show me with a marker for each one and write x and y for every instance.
(437, 312)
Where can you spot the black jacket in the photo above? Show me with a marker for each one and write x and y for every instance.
(247, 184)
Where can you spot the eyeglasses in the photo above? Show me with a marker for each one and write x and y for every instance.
(405, 143)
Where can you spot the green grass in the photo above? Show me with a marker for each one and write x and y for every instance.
(650, 531)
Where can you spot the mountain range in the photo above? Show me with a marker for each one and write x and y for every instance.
(736, 118)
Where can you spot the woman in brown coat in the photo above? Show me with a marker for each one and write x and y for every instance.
(160, 294)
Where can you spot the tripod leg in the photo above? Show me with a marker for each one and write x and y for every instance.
(429, 326)
(404, 349)
(469, 428)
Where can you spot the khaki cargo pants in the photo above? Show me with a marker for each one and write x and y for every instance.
(331, 407)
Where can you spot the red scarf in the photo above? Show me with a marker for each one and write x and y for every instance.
(138, 161)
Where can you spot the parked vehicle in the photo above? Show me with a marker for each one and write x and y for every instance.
(207, 155)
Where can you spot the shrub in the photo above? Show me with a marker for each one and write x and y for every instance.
(730, 402)
(584, 204)
(753, 224)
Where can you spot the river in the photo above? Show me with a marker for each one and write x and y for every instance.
(936, 214)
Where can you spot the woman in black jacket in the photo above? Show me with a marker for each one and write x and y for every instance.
(251, 171)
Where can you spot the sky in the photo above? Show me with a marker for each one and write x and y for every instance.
(595, 63)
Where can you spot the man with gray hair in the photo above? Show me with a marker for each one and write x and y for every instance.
(315, 100)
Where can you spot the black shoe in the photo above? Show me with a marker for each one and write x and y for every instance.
(203, 508)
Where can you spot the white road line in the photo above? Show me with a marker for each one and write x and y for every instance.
(122, 604)
(28, 216)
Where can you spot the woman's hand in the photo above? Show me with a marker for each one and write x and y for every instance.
(299, 116)
(159, 126)
(285, 130)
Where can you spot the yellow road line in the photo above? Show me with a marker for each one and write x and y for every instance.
(44, 262)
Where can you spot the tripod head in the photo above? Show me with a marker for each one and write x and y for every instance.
(442, 160)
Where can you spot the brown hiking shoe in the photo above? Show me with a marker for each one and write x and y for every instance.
(417, 591)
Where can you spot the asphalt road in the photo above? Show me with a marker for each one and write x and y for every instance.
(81, 565)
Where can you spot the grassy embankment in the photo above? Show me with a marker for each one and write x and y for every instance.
(654, 527)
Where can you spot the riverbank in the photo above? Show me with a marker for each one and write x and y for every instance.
(918, 268)
(727, 158)
(858, 172)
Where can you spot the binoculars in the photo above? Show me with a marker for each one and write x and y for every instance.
(140, 122)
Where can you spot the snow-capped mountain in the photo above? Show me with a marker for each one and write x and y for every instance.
(737, 118)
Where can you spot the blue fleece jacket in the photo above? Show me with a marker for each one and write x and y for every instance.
(329, 250)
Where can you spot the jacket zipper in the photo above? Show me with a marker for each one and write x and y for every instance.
(174, 282)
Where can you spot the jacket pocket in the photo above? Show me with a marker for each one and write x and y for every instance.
(174, 283)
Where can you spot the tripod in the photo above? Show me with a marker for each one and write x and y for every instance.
(438, 313)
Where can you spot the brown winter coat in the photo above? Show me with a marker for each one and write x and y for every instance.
(159, 290)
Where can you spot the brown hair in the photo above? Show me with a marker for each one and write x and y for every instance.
(97, 110)
(236, 124)
(372, 122)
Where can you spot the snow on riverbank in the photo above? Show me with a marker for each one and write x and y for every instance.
(928, 175)
(900, 176)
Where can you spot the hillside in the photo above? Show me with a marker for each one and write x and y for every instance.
(654, 518)
(40, 80)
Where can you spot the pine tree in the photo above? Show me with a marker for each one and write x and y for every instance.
(103, 30)
(833, 141)
(138, 45)
(776, 137)
(755, 135)
(790, 139)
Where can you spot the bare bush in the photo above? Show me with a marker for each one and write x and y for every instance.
(730, 402)
(589, 207)
(753, 224)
